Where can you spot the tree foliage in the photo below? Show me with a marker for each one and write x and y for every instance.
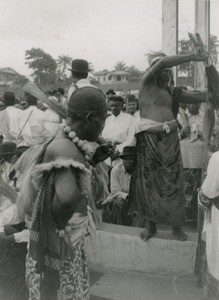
(134, 73)
(63, 62)
(43, 65)
(120, 66)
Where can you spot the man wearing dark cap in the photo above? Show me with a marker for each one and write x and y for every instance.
(132, 105)
(116, 205)
(119, 127)
(79, 70)
(110, 93)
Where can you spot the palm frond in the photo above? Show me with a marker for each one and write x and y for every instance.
(35, 91)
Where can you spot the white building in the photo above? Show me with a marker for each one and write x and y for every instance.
(111, 77)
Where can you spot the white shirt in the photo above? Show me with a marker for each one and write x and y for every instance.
(51, 122)
(9, 123)
(80, 84)
(33, 131)
(120, 180)
(120, 129)
(64, 102)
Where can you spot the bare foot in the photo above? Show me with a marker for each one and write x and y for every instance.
(178, 232)
(148, 233)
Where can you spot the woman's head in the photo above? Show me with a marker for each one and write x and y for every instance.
(87, 112)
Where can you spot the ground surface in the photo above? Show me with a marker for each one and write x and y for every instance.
(120, 285)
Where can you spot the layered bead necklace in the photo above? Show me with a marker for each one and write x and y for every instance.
(82, 145)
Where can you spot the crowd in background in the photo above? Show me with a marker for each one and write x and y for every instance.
(29, 123)
(33, 122)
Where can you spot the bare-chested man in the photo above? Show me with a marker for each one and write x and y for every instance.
(157, 184)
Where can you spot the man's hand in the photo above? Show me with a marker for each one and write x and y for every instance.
(102, 152)
(201, 53)
(184, 132)
(115, 155)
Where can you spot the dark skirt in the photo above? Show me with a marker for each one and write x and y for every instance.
(116, 212)
(157, 188)
(12, 270)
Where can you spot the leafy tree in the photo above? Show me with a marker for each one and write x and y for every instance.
(91, 67)
(63, 62)
(186, 47)
(213, 49)
(120, 66)
(43, 65)
(134, 73)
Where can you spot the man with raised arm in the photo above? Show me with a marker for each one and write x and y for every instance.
(157, 183)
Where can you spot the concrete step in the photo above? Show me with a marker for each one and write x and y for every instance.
(124, 285)
(120, 247)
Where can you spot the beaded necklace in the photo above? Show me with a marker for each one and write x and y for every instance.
(82, 145)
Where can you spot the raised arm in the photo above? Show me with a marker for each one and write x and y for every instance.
(171, 61)
(195, 97)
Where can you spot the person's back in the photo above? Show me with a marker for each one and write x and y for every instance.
(80, 69)
(32, 123)
(51, 121)
(9, 118)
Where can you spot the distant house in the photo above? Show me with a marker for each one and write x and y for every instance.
(111, 77)
(8, 76)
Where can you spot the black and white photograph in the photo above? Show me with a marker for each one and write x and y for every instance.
(109, 150)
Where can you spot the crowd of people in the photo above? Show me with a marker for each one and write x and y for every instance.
(120, 155)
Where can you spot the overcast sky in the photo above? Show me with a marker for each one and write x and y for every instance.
(101, 31)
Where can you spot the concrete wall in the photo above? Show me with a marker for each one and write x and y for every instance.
(120, 247)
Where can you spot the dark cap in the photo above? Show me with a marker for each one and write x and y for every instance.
(87, 99)
(131, 98)
(127, 151)
(110, 91)
(9, 97)
(79, 66)
(116, 98)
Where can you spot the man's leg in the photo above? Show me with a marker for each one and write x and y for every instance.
(149, 231)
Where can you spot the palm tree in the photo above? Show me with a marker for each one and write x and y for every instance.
(91, 67)
(63, 62)
(120, 66)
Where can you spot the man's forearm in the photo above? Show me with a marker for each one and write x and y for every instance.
(192, 97)
(169, 62)
(175, 60)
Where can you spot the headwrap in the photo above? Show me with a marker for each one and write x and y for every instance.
(87, 99)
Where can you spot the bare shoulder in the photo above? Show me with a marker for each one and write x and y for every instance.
(64, 148)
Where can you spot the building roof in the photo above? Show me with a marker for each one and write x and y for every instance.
(9, 71)
(118, 72)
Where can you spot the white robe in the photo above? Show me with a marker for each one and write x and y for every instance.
(210, 188)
